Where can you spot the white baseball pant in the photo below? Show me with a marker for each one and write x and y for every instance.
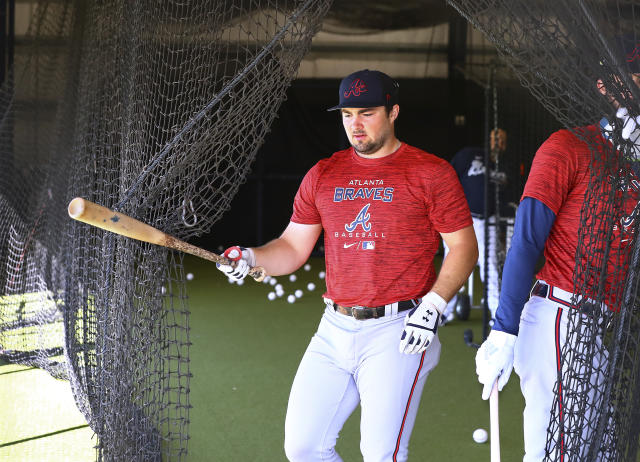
(542, 335)
(349, 362)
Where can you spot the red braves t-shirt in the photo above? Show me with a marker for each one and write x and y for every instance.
(559, 178)
(381, 219)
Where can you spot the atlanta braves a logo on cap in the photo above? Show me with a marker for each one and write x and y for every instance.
(634, 55)
(356, 88)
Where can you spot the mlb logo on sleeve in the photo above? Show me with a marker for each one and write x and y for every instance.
(366, 245)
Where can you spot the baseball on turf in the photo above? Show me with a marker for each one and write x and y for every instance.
(321, 274)
(271, 296)
(291, 298)
(298, 293)
(189, 276)
(480, 435)
(231, 280)
(307, 267)
(311, 286)
(278, 287)
(273, 281)
(240, 282)
(292, 277)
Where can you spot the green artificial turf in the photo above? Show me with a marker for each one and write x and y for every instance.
(244, 355)
(39, 420)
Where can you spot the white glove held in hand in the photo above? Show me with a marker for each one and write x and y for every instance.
(421, 324)
(244, 259)
(494, 360)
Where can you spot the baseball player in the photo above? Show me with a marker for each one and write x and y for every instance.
(529, 336)
(383, 206)
(469, 166)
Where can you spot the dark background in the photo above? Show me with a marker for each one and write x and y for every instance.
(304, 132)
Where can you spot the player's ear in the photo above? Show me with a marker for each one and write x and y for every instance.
(393, 113)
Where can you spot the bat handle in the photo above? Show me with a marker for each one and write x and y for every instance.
(258, 273)
(494, 423)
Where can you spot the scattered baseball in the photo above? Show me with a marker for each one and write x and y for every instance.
(480, 435)
(240, 282)
(298, 293)
(266, 279)
(189, 276)
(307, 267)
(278, 287)
(292, 277)
(271, 296)
(280, 293)
(291, 298)
(273, 281)
(321, 274)
(231, 280)
(311, 286)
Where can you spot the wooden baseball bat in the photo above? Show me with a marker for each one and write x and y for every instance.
(96, 215)
(494, 423)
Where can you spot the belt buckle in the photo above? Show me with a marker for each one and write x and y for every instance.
(355, 310)
(541, 290)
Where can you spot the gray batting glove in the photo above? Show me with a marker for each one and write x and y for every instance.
(421, 324)
(494, 361)
(242, 260)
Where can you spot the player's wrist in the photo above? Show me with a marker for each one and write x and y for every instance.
(249, 255)
(436, 300)
(500, 338)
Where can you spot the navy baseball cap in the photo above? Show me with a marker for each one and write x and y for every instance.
(627, 50)
(632, 55)
(367, 89)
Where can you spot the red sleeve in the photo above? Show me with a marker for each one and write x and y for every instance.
(304, 204)
(448, 208)
(553, 170)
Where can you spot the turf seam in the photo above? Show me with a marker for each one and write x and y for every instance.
(24, 440)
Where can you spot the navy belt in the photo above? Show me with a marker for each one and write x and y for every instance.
(374, 312)
(555, 294)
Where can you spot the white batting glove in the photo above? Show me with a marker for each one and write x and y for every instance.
(243, 260)
(630, 129)
(494, 360)
(421, 324)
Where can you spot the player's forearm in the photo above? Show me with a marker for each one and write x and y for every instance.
(287, 253)
(533, 224)
(279, 257)
(457, 267)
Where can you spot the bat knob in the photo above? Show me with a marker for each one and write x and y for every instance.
(258, 273)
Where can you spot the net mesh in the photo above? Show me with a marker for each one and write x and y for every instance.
(155, 109)
(565, 53)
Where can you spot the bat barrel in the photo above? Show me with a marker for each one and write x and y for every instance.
(96, 215)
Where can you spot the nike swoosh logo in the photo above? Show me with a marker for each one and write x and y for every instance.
(346, 246)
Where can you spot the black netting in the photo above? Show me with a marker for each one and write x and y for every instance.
(578, 59)
(156, 109)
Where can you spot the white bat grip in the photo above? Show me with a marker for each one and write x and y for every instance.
(495, 424)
